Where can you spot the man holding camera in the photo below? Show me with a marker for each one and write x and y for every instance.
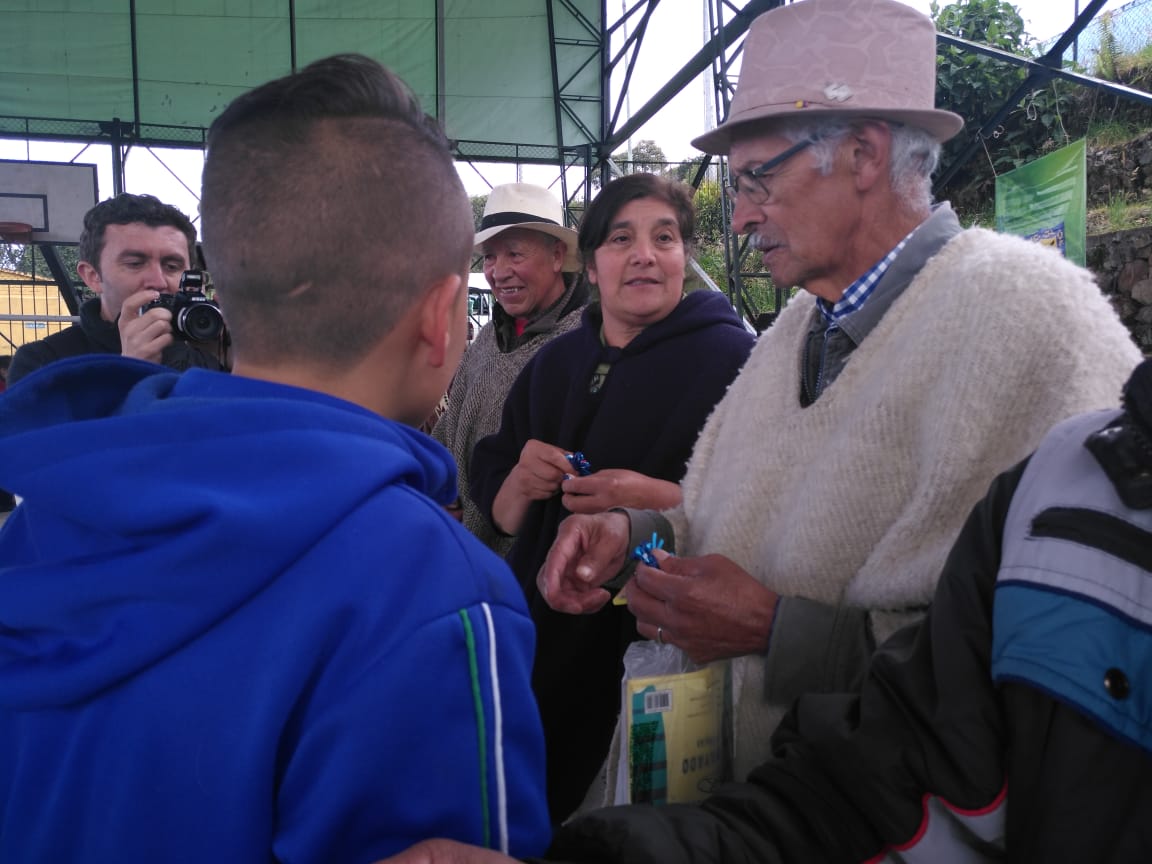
(133, 249)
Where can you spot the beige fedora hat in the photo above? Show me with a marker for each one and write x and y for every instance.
(837, 58)
(525, 205)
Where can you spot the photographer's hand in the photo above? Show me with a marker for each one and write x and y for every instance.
(144, 336)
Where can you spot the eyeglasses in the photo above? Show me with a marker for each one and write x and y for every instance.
(750, 184)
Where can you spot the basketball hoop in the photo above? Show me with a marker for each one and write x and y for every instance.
(15, 232)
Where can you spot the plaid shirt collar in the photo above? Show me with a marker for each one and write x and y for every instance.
(859, 291)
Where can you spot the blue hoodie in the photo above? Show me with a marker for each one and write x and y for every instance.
(236, 625)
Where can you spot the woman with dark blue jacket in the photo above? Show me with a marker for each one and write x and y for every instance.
(630, 390)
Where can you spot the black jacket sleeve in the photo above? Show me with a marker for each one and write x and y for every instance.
(850, 773)
(28, 358)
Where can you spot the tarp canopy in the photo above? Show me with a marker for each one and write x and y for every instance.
(516, 80)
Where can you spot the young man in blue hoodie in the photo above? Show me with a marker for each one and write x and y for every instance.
(238, 625)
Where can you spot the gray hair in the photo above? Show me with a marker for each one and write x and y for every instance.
(914, 155)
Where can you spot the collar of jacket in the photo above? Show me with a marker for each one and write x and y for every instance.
(574, 296)
(928, 239)
(106, 334)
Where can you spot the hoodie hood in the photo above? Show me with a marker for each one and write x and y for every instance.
(155, 504)
(697, 310)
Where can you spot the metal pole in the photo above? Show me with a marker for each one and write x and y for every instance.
(116, 140)
(627, 91)
(1076, 44)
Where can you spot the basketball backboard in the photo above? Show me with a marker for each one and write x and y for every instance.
(52, 197)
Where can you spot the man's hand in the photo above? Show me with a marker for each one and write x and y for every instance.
(588, 551)
(144, 336)
(708, 606)
(535, 477)
(618, 487)
(447, 852)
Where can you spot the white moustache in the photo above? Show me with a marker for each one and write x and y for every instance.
(761, 243)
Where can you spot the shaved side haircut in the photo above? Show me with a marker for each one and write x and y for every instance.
(330, 204)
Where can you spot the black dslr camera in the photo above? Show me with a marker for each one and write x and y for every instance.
(194, 316)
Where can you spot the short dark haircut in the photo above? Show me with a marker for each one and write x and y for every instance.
(127, 209)
(601, 213)
(330, 204)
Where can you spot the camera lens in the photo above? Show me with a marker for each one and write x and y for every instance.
(201, 322)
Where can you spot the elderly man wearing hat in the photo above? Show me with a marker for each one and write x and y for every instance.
(921, 360)
(531, 261)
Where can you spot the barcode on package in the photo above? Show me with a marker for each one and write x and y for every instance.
(657, 701)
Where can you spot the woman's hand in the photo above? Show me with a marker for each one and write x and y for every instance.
(535, 477)
(618, 487)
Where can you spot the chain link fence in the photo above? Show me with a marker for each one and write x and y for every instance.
(1126, 30)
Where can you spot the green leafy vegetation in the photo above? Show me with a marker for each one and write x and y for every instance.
(1108, 57)
(28, 259)
(1046, 118)
(1111, 133)
(1117, 209)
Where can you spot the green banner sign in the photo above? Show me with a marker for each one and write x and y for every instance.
(1047, 201)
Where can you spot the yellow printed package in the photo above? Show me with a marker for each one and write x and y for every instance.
(676, 742)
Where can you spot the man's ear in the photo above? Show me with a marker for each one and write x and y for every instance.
(871, 144)
(559, 253)
(90, 276)
(439, 327)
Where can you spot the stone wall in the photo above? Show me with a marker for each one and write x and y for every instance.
(1120, 170)
(1122, 262)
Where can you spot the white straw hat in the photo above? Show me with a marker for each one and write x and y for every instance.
(837, 58)
(524, 205)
